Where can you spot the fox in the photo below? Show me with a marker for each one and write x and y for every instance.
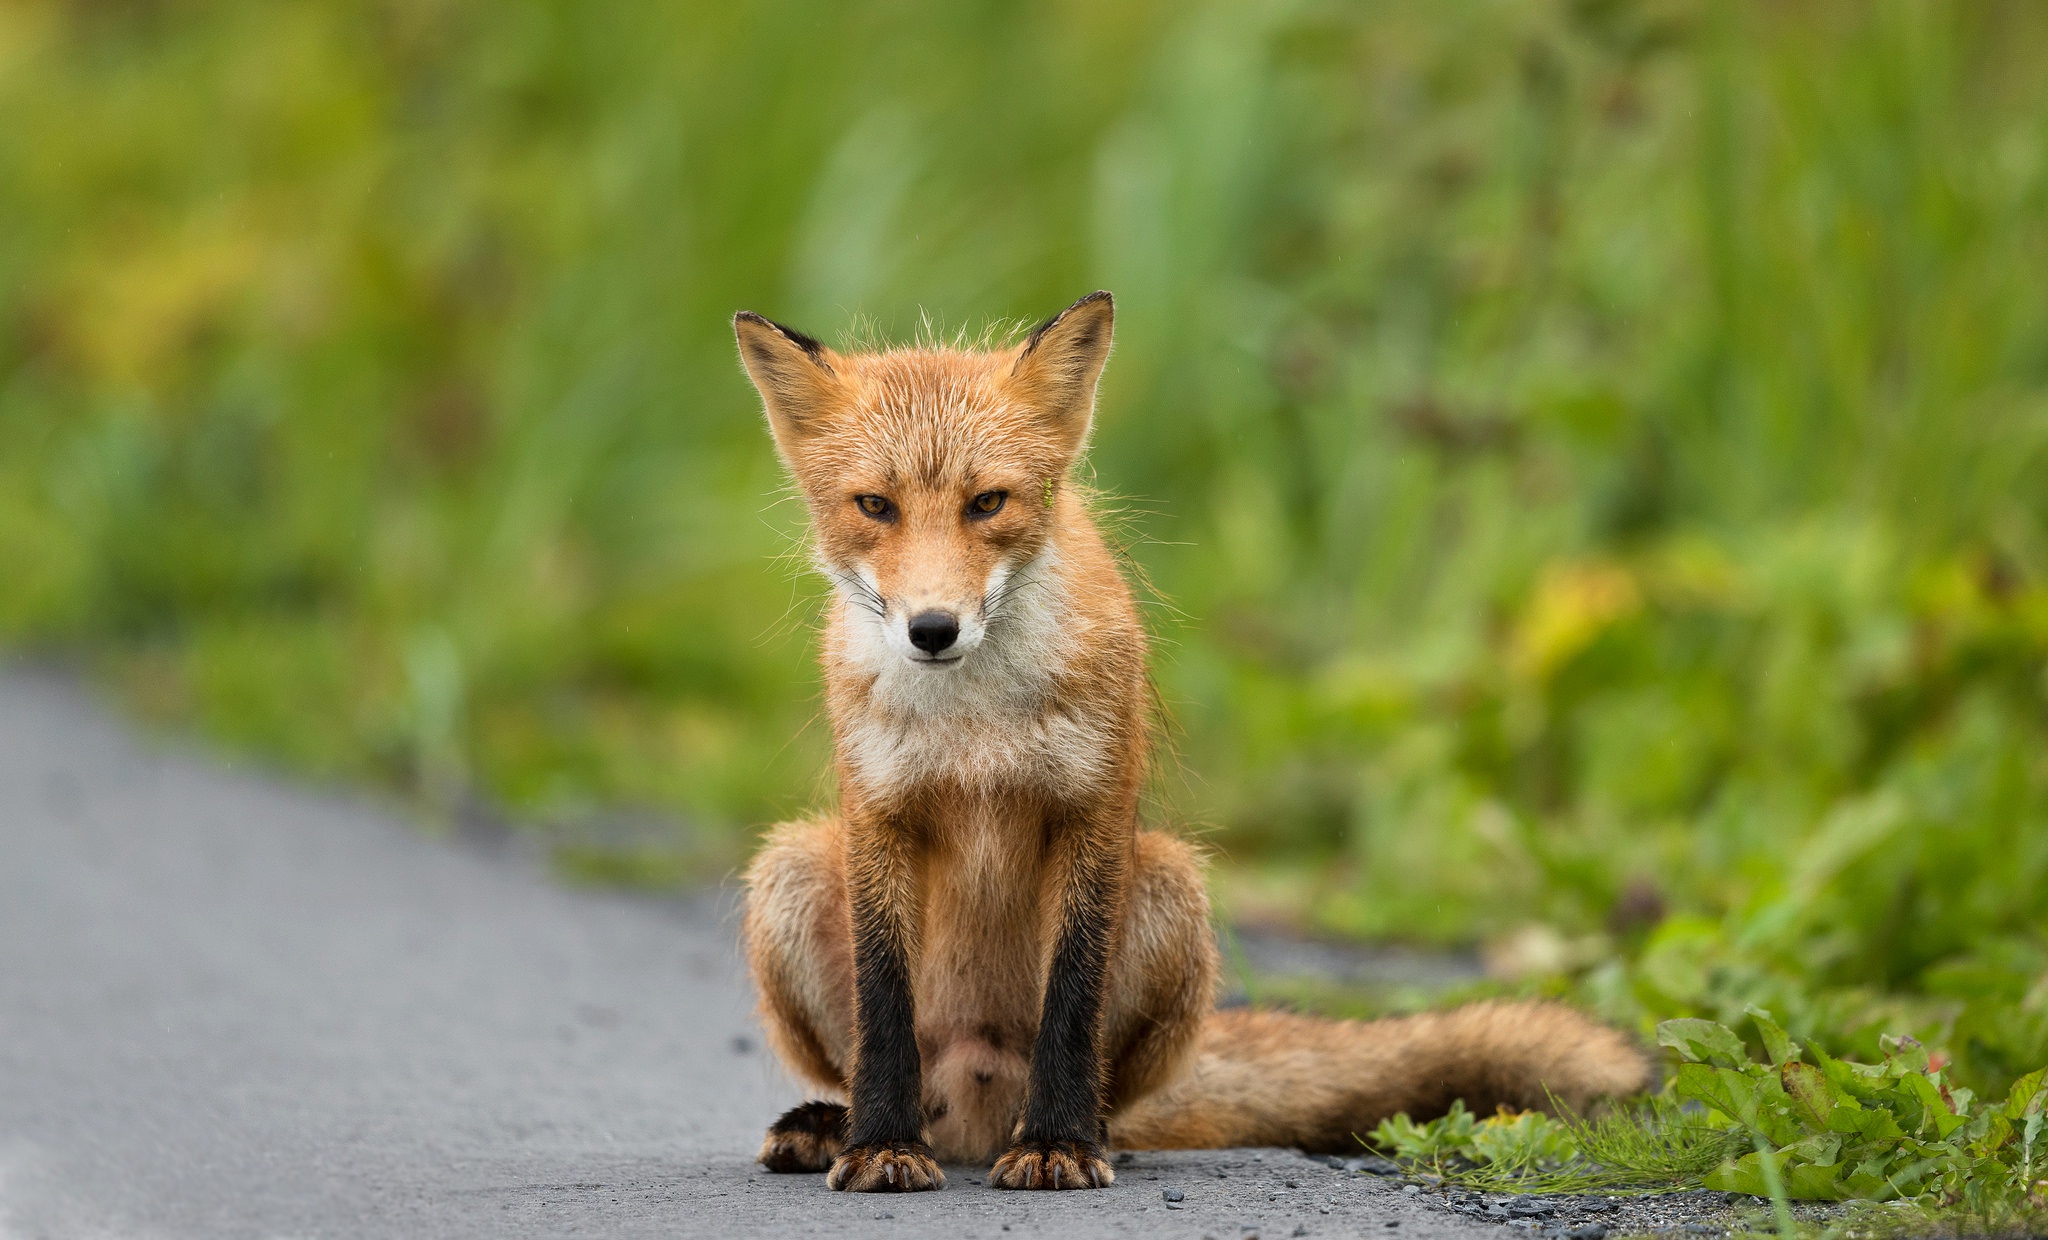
(983, 957)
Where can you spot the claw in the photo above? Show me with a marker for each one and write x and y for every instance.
(1095, 1175)
(889, 1172)
(1055, 1175)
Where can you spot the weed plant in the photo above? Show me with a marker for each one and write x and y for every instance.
(1793, 1124)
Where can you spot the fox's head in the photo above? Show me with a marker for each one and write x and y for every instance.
(933, 475)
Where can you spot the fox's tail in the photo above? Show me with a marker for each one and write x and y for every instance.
(1276, 1078)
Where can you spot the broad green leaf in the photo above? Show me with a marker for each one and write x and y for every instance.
(1863, 1082)
(2028, 1096)
(1781, 1048)
(1724, 1089)
(1933, 1106)
(1702, 1041)
(1997, 1131)
(1813, 1182)
(1872, 1123)
(1740, 1175)
(1909, 1178)
(1806, 1182)
(1807, 1087)
(1867, 1182)
(1821, 1149)
(1753, 1099)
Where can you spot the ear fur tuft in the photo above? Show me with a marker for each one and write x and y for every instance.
(792, 372)
(1057, 368)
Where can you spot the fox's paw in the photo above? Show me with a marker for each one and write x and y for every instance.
(1052, 1164)
(893, 1167)
(806, 1138)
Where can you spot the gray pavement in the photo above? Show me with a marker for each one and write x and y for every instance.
(232, 1007)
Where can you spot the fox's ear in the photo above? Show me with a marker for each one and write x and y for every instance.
(792, 372)
(1057, 367)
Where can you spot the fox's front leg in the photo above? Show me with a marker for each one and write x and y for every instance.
(885, 1148)
(1060, 1142)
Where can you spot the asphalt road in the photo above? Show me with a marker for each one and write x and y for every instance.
(231, 1007)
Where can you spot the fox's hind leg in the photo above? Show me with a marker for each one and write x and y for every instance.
(1162, 985)
(800, 951)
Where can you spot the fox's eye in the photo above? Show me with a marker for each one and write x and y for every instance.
(875, 506)
(987, 504)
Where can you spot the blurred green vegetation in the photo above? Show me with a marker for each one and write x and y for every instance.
(1594, 454)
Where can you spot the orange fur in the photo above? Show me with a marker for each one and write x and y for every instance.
(988, 817)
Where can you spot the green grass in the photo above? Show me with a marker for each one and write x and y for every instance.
(1593, 456)
(1793, 1123)
(1650, 1146)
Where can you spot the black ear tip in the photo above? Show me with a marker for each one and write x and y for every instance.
(1100, 297)
(791, 334)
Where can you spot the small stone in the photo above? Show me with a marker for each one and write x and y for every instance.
(1300, 1229)
(1588, 1231)
(885, 1214)
(1413, 1190)
(1172, 1194)
(1293, 1183)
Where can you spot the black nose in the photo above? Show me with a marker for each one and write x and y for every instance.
(933, 631)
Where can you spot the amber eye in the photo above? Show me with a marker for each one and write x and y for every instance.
(875, 506)
(987, 504)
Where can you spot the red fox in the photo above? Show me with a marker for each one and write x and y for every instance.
(984, 954)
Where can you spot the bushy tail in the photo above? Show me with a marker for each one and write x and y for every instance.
(1276, 1078)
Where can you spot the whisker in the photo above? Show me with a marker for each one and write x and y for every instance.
(993, 601)
(859, 593)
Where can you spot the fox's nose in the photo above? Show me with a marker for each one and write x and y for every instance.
(933, 631)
